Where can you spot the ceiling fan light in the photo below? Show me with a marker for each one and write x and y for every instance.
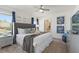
(41, 10)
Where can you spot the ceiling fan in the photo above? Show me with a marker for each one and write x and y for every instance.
(42, 9)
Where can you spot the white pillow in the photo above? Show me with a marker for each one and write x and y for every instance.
(21, 31)
(24, 31)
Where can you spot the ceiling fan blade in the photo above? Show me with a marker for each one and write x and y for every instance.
(41, 9)
(45, 9)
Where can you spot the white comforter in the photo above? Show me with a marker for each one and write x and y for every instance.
(39, 42)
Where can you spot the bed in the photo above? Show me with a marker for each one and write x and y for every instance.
(40, 42)
(33, 41)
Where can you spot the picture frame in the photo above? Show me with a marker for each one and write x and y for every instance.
(60, 29)
(60, 20)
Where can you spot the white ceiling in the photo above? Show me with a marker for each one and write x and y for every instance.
(28, 10)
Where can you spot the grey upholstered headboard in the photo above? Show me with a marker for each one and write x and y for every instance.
(23, 26)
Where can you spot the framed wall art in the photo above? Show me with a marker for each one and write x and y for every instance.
(60, 20)
(60, 29)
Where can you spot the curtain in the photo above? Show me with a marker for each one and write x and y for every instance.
(14, 28)
(32, 20)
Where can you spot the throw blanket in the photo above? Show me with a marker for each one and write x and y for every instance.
(27, 44)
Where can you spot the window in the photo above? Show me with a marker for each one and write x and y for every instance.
(75, 23)
(5, 25)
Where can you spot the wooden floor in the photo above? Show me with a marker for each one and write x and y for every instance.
(56, 46)
(12, 49)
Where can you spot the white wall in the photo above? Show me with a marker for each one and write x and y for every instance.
(74, 43)
(41, 25)
(23, 20)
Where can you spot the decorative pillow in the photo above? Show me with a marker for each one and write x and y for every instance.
(21, 31)
(25, 31)
(28, 30)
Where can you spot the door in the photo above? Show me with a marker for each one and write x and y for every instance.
(47, 25)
